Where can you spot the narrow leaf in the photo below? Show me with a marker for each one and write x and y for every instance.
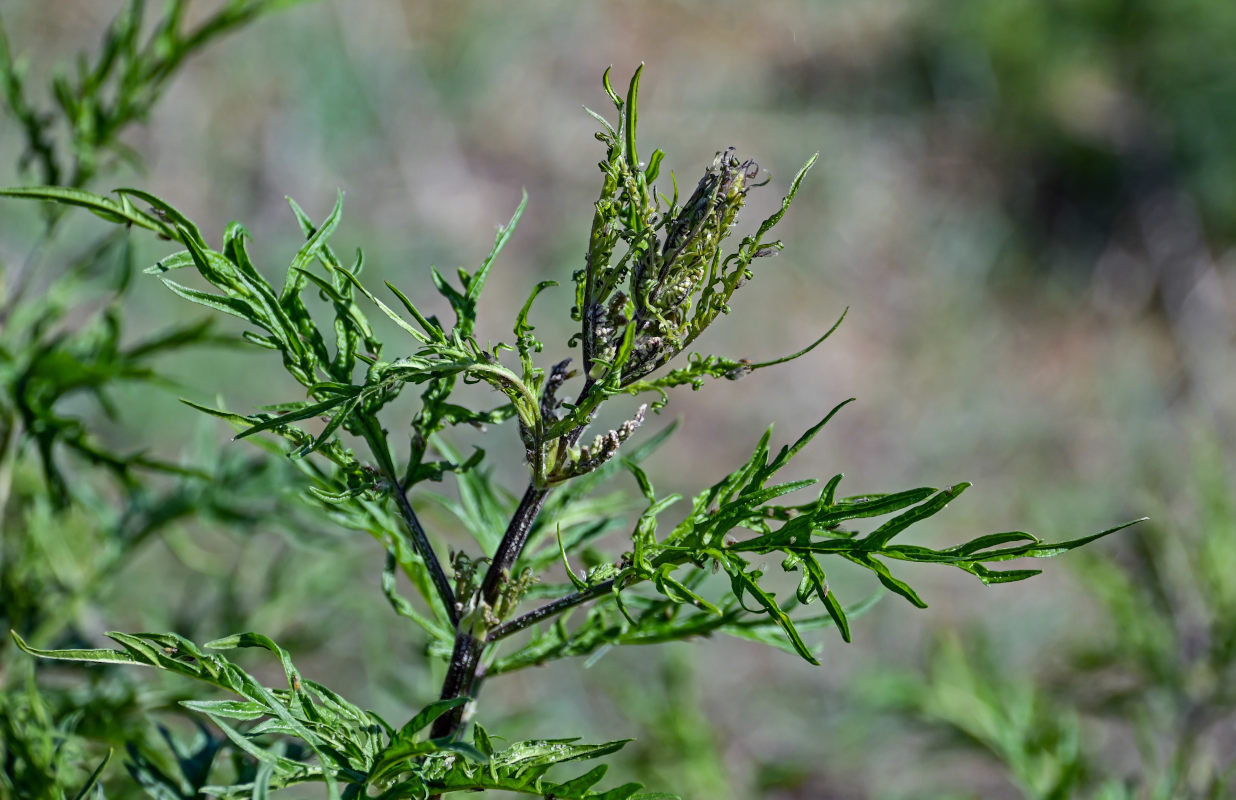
(745, 582)
(107, 208)
(885, 533)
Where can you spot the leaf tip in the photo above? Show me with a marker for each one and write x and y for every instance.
(20, 642)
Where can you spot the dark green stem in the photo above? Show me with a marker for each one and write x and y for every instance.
(549, 610)
(462, 674)
(465, 665)
(376, 438)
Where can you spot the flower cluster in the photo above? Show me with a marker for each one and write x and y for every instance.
(676, 258)
(576, 461)
(672, 270)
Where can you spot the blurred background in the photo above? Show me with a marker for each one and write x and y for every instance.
(1029, 208)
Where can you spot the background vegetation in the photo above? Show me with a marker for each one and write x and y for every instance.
(1029, 208)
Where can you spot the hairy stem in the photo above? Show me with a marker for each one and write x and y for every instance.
(466, 657)
(461, 675)
(549, 610)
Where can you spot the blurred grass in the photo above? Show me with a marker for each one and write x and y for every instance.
(1027, 206)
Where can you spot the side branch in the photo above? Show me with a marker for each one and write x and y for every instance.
(550, 610)
(421, 542)
(376, 439)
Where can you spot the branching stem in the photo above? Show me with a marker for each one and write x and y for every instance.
(461, 675)
(549, 610)
(466, 657)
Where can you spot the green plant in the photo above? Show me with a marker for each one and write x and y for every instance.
(656, 274)
(1155, 668)
(76, 510)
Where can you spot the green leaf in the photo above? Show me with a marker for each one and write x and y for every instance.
(544, 752)
(631, 120)
(752, 244)
(677, 591)
(179, 220)
(351, 278)
(609, 89)
(425, 717)
(118, 211)
(786, 454)
(339, 418)
(310, 250)
(580, 785)
(870, 505)
(893, 584)
(520, 768)
(477, 281)
(231, 709)
(93, 780)
(744, 582)
(178, 260)
(305, 412)
(431, 327)
(837, 612)
(228, 305)
(404, 608)
(99, 656)
(579, 584)
(814, 580)
(404, 747)
(993, 540)
(881, 536)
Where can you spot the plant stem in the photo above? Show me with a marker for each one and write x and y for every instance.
(421, 542)
(549, 610)
(513, 542)
(376, 439)
(461, 675)
(466, 657)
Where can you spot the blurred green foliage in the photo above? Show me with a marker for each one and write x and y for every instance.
(1142, 707)
(1082, 112)
(78, 510)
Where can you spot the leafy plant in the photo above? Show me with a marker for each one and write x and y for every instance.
(76, 510)
(1156, 670)
(659, 270)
